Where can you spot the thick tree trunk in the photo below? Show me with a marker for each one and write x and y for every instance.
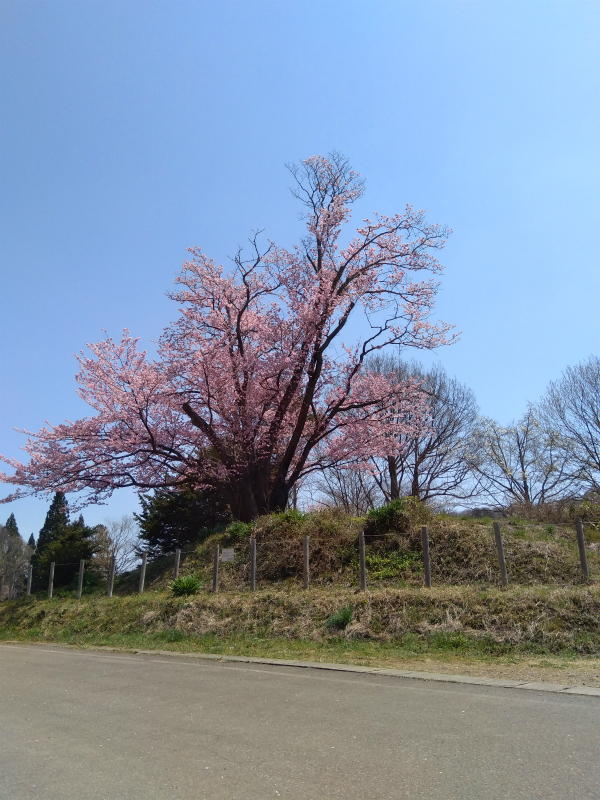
(279, 497)
(247, 500)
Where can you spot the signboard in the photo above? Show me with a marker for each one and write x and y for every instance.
(227, 554)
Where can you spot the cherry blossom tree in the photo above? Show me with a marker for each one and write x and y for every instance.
(253, 385)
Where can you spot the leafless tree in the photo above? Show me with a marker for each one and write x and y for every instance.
(354, 492)
(118, 538)
(14, 556)
(434, 464)
(522, 463)
(571, 406)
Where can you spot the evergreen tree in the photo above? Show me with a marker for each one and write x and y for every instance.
(31, 542)
(172, 520)
(72, 542)
(56, 520)
(11, 525)
(58, 515)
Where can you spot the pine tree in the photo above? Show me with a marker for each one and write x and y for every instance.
(31, 542)
(57, 519)
(73, 541)
(58, 515)
(171, 520)
(11, 525)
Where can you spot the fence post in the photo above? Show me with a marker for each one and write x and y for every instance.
(426, 560)
(51, 580)
(80, 580)
(500, 549)
(111, 575)
(363, 561)
(29, 577)
(143, 572)
(306, 562)
(252, 564)
(216, 569)
(581, 545)
(176, 566)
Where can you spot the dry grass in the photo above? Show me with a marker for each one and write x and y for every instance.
(525, 619)
(546, 622)
(462, 553)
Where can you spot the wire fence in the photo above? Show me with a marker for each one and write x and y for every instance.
(222, 554)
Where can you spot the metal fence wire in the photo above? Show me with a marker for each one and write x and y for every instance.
(260, 548)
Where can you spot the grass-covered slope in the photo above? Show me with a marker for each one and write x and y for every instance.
(547, 608)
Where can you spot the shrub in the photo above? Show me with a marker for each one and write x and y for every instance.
(399, 516)
(341, 618)
(239, 530)
(188, 584)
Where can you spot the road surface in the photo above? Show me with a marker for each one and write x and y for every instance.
(113, 726)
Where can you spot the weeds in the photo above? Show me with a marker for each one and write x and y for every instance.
(341, 618)
(186, 585)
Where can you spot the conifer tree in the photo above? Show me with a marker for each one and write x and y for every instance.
(171, 520)
(31, 542)
(73, 541)
(57, 518)
(11, 525)
(58, 515)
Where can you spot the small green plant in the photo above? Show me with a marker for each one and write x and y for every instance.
(239, 530)
(291, 515)
(341, 618)
(398, 516)
(187, 584)
(391, 565)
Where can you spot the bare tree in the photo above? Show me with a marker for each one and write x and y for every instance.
(14, 556)
(118, 538)
(433, 464)
(571, 406)
(523, 463)
(354, 492)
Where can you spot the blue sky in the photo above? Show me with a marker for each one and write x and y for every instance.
(132, 130)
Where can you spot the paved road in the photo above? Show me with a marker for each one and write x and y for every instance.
(103, 726)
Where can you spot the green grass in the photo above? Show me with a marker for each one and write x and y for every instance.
(333, 649)
(461, 620)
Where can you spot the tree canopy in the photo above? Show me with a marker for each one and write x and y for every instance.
(254, 385)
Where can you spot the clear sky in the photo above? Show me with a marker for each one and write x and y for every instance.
(132, 130)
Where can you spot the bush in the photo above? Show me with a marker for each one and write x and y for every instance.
(239, 530)
(399, 516)
(341, 618)
(188, 584)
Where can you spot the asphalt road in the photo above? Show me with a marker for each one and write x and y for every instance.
(101, 726)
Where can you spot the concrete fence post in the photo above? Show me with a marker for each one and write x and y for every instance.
(51, 580)
(363, 561)
(500, 549)
(80, 579)
(111, 575)
(252, 564)
(426, 559)
(306, 547)
(176, 565)
(581, 546)
(29, 576)
(216, 569)
(143, 573)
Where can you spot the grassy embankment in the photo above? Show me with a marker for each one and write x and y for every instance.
(545, 625)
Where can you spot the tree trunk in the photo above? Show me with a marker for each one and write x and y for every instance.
(394, 488)
(279, 496)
